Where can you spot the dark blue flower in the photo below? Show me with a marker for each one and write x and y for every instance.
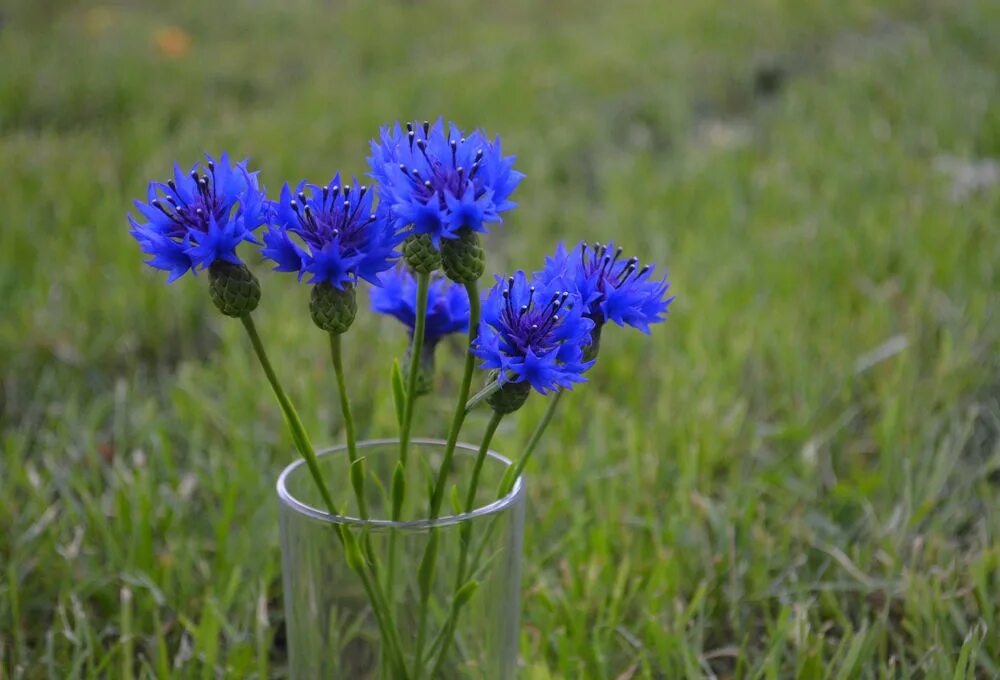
(447, 304)
(198, 218)
(341, 238)
(612, 288)
(436, 180)
(534, 332)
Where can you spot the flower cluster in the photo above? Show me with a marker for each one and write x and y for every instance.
(435, 183)
(196, 219)
(435, 180)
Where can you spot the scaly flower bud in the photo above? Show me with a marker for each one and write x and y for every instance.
(510, 397)
(333, 309)
(462, 258)
(420, 254)
(233, 288)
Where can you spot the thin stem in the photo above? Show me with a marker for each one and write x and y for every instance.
(482, 395)
(423, 284)
(463, 396)
(416, 349)
(510, 479)
(292, 420)
(463, 557)
(529, 448)
(470, 497)
(444, 638)
(445, 635)
(345, 407)
(383, 617)
(305, 448)
(437, 495)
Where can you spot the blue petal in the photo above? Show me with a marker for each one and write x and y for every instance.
(218, 243)
(286, 254)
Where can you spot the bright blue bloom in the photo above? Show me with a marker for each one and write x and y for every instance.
(534, 332)
(447, 304)
(195, 219)
(343, 238)
(437, 180)
(611, 288)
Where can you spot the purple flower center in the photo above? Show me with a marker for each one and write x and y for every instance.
(197, 212)
(606, 270)
(531, 326)
(439, 177)
(331, 216)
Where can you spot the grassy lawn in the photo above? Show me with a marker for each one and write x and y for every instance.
(796, 476)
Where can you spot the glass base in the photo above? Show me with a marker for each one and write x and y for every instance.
(428, 598)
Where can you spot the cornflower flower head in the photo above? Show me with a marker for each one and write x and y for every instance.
(612, 288)
(436, 180)
(342, 238)
(197, 219)
(533, 333)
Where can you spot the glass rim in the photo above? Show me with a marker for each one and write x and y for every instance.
(492, 508)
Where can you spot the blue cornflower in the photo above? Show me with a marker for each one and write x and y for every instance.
(197, 219)
(535, 333)
(612, 289)
(447, 304)
(343, 238)
(438, 180)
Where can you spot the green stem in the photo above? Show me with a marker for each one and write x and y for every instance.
(357, 472)
(423, 284)
(470, 497)
(292, 420)
(483, 394)
(383, 617)
(529, 448)
(305, 448)
(508, 483)
(437, 495)
(463, 396)
(416, 349)
(463, 557)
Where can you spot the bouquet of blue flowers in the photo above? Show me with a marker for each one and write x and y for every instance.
(414, 237)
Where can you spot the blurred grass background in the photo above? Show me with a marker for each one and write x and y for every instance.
(796, 476)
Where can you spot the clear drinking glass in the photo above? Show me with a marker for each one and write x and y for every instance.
(332, 630)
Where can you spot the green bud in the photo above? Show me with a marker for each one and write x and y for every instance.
(425, 572)
(333, 309)
(465, 593)
(510, 397)
(463, 258)
(398, 489)
(354, 558)
(398, 391)
(420, 253)
(233, 288)
(358, 483)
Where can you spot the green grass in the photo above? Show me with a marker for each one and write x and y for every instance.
(796, 476)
